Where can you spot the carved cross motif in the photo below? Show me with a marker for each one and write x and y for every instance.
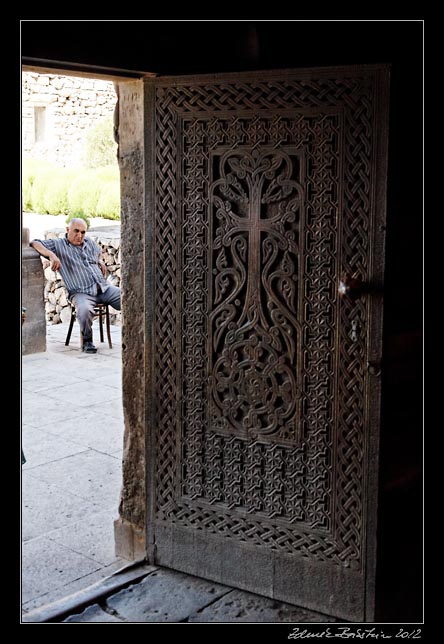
(256, 199)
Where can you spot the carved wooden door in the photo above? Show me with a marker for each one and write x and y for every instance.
(268, 191)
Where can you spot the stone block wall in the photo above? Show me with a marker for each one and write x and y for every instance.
(57, 112)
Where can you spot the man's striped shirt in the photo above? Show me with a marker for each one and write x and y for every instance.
(78, 265)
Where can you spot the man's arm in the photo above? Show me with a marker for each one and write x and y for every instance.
(54, 260)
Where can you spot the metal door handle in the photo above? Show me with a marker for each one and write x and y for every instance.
(351, 287)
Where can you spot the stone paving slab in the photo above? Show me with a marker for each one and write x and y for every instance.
(36, 378)
(76, 356)
(93, 614)
(112, 408)
(40, 410)
(111, 379)
(94, 476)
(91, 428)
(240, 606)
(92, 537)
(52, 567)
(39, 605)
(164, 596)
(40, 447)
(84, 394)
(46, 508)
(167, 596)
(80, 595)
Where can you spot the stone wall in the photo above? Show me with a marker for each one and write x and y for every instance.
(57, 308)
(58, 111)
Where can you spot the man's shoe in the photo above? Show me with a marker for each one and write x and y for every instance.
(88, 347)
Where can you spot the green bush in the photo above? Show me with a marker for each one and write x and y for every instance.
(100, 147)
(108, 173)
(39, 187)
(56, 194)
(83, 194)
(78, 192)
(26, 196)
(28, 172)
(30, 167)
(84, 217)
(108, 205)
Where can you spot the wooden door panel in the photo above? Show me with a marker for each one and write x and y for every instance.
(266, 189)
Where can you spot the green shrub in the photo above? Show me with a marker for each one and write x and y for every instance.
(56, 194)
(83, 194)
(38, 189)
(100, 147)
(108, 205)
(30, 167)
(78, 192)
(108, 173)
(83, 216)
(26, 196)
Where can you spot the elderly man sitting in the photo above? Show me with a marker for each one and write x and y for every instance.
(78, 260)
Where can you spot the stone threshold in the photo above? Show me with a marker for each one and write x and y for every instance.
(78, 601)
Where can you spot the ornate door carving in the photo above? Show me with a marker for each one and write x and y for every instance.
(267, 189)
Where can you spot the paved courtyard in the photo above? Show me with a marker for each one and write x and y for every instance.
(72, 436)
